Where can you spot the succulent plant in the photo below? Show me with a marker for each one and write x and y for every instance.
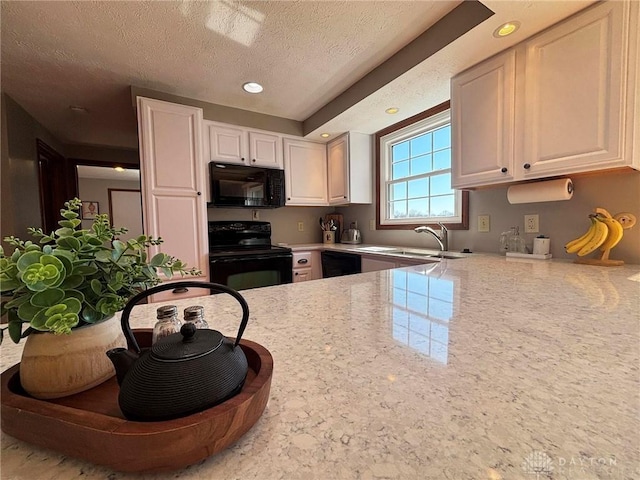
(76, 276)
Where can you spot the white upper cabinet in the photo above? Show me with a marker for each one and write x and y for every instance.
(230, 144)
(265, 149)
(574, 98)
(350, 171)
(561, 102)
(173, 180)
(305, 166)
(483, 122)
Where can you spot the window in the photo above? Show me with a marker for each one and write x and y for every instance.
(414, 174)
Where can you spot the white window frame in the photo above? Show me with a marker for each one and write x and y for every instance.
(386, 143)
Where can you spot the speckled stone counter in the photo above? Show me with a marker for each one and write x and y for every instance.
(479, 368)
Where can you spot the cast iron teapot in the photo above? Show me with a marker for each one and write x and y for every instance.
(182, 373)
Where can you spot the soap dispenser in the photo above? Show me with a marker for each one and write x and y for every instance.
(516, 242)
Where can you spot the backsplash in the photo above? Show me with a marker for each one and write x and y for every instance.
(561, 221)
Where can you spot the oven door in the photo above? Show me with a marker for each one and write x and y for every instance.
(251, 271)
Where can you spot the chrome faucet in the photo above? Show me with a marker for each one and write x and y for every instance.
(442, 238)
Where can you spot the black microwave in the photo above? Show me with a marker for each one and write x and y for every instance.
(246, 187)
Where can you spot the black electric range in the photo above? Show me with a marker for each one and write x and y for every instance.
(241, 255)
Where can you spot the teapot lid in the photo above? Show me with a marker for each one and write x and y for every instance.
(190, 343)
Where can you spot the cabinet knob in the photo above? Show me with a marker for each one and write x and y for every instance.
(199, 193)
(288, 198)
(180, 290)
(527, 166)
(242, 159)
(504, 169)
(302, 261)
(344, 196)
(254, 160)
(297, 273)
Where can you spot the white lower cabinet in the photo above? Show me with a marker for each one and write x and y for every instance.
(306, 266)
(370, 264)
(305, 166)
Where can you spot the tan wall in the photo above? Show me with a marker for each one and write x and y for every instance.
(561, 221)
(284, 221)
(20, 191)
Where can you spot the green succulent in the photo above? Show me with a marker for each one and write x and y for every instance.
(76, 276)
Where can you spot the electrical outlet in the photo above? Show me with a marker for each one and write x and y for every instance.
(372, 224)
(483, 223)
(255, 215)
(301, 226)
(531, 224)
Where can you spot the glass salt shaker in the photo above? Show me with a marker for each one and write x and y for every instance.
(168, 322)
(195, 315)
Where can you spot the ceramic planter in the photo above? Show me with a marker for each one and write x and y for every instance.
(54, 366)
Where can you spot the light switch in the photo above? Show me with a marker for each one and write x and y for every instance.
(483, 223)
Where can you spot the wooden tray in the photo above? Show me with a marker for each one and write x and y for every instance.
(90, 425)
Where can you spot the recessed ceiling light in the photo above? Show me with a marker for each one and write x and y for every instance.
(325, 135)
(392, 110)
(118, 169)
(506, 29)
(78, 109)
(252, 87)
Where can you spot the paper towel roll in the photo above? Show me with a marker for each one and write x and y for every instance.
(549, 191)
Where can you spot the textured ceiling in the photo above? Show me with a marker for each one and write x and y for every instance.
(305, 53)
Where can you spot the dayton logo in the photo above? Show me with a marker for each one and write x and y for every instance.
(537, 463)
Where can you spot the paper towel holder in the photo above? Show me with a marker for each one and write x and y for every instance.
(541, 191)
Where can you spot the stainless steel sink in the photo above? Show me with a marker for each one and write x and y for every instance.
(412, 252)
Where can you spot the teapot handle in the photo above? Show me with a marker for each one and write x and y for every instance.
(126, 328)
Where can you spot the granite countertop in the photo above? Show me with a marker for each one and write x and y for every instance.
(484, 367)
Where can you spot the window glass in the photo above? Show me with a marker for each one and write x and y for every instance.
(415, 174)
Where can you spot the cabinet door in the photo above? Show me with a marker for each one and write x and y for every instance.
(374, 264)
(574, 97)
(265, 150)
(305, 165)
(338, 170)
(172, 175)
(483, 122)
(226, 144)
(301, 274)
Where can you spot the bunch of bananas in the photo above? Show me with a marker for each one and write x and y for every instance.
(605, 233)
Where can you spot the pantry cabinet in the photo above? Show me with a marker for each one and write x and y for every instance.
(349, 163)
(231, 144)
(172, 181)
(559, 103)
(305, 165)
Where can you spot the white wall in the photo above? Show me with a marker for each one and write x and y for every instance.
(97, 190)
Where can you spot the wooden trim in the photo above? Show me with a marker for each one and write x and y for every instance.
(55, 184)
(464, 224)
(411, 120)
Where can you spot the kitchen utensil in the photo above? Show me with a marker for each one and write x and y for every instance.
(321, 224)
(338, 223)
(182, 373)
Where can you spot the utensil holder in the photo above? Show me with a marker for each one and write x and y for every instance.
(329, 236)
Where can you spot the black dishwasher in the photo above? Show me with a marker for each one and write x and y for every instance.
(335, 264)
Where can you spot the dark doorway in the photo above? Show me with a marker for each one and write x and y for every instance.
(57, 184)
